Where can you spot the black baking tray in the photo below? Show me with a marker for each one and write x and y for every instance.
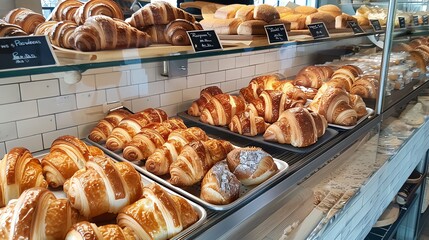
(329, 134)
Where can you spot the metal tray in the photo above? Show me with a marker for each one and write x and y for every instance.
(193, 192)
(369, 112)
(329, 134)
(202, 214)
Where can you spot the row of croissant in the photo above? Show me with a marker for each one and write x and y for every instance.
(98, 188)
(99, 25)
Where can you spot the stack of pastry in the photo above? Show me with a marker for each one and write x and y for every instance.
(243, 20)
(11, 30)
(25, 18)
(164, 23)
(105, 126)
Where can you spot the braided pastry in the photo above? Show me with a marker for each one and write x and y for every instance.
(105, 126)
(19, 171)
(175, 31)
(11, 30)
(25, 18)
(61, 33)
(131, 125)
(65, 10)
(103, 186)
(98, 7)
(150, 138)
(221, 108)
(104, 33)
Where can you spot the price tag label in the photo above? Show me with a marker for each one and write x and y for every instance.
(355, 27)
(425, 20)
(204, 40)
(276, 33)
(26, 52)
(401, 22)
(416, 20)
(318, 30)
(376, 25)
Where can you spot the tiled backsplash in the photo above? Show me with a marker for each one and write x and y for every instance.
(37, 109)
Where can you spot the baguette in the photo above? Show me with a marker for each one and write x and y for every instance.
(245, 13)
(330, 9)
(222, 26)
(252, 27)
(326, 18)
(227, 11)
(297, 21)
(305, 10)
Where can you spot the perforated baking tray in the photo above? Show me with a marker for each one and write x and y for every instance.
(193, 192)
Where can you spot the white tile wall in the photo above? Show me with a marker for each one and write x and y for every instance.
(196, 80)
(89, 99)
(57, 104)
(152, 88)
(10, 93)
(122, 93)
(15, 80)
(226, 63)
(112, 79)
(209, 66)
(39, 89)
(215, 77)
(171, 98)
(143, 75)
(49, 137)
(87, 83)
(33, 143)
(18, 111)
(146, 102)
(242, 61)
(175, 84)
(34, 126)
(8, 131)
(78, 117)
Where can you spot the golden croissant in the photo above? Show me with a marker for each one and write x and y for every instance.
(105, 126)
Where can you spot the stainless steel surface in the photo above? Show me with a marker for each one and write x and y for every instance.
(193, 192)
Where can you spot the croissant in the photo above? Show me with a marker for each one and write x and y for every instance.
(220, 186)
(313, 76)
(251, 165)
(158, 215)
(248, 123)
(196, 159)
(150, 138)
(264, 82)
(298, 127)
(205, 95)
(175, 31)
(157, 13)
(19, 171)
(357, 103)
(103, 129)
(221, 108)
(65, 10)
(334, 105)
(366, 87)
(25, 18)
(131, 125)
(85, 230)
(61, 33)
(11, 30)
(156, 33)
(98, 7)
(103, 186)
(105, 33)
(44, 28)
(292, 91)
(159, 162)
(37, 214)
(67, 155)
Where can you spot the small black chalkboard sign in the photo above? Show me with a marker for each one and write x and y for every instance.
(401, 22)
(276, 33)
(355, 27)
(425, 20)
(25, 52)
(204, 40)
(376, 25)
(318, 30)
(416, 20)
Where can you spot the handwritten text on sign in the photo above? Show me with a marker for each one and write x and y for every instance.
(204, 40)
(355, 27)
(23, 52)
(376, 24)
(276, 33)
(318, 30)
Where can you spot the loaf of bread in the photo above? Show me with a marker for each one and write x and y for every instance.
(265, 13)
(245, 13)
(297, 21)
(222, 26)
(330, 9)
(306, 10)
(228, 11)
(283, 11)
(326, 18)
(252, 27)
(341, 21)
(362, 21)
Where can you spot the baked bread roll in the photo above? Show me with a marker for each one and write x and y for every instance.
(265, 13)
(307, 10)
(347, 74)
(206, 94)
(86, 230)
(361, 20)
(11, 30)
(248, 123)
(196, 159)
(61, 33)
(37, 214)
(313, 76)
(25, 18)
(19, 171)
(222, 26)
(326, 18)
(67, 155)
(341, 21)
(150, 138)
(251, 165)
(157, 13)
(281, 21)
(44, 28)
(252, 27)
(66, 10)
(129, 126)
(334, 105)
(298, 127)
(105, 126)
(159, 162)
(283, 11)
(105, 33)
(92, 8)
(330, 9)
(175, 32)
(227, 11)
(158, 215)
(103, 186)
(245, 13)
(221, 108)
(220, 186)
(297, 21)
(366, 87)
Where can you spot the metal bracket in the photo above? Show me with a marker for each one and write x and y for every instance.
(175, 68)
